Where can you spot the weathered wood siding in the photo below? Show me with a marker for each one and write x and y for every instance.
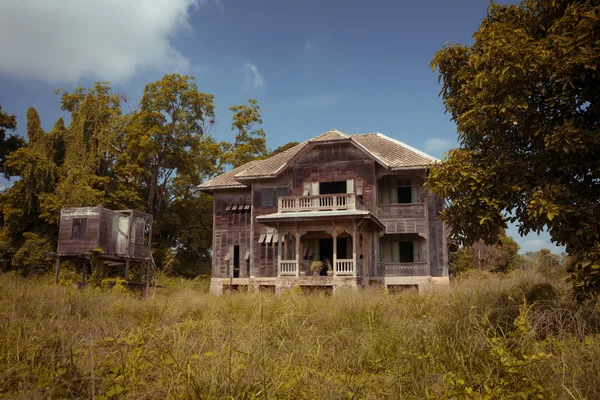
(437, 234)
(337, 162)
(264, 256)
(79, 245)
(231, 228)
(102, 231)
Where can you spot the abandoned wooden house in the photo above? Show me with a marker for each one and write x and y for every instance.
(354, 202)
(119, 238)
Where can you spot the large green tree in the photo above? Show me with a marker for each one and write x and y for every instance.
(8, 143)
(525, 99)
(23, 237)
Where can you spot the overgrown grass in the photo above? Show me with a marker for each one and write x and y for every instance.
(497, 337)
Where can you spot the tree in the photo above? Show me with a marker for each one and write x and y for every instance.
(500, 257)
(10, 143)
(164, 140)
(23, 237)
(525, 99)
(283, 148)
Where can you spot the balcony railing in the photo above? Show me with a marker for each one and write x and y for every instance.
(403, 269)
(344, 267)
(324, 202)
(288, 268)
(401, 210)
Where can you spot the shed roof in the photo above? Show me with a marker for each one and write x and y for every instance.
(390, 153)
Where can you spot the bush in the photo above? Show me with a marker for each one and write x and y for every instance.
(481, 339)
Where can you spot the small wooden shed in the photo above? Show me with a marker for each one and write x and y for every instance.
(119, 237)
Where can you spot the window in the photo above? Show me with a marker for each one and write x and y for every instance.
(332, 187)
(267, 197)
(404, 191)
(406, 251)
(79, 228)
(282, 191)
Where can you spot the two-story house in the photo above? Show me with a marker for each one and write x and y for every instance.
(355, 202)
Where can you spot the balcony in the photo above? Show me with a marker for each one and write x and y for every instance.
(406, 210)
(324, 202)
(403, 269)
(342, 268)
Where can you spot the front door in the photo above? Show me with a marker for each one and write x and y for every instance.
(236, 261)
(325, 252)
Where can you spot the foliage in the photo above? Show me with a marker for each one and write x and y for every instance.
(283, 148)
(500, 257)
(182, 342)
(150, 159)
(316, 266)
(525, 98)
(8, 144)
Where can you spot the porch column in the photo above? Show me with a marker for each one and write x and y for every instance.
(298, 258)
(354, 240)
(334, 266)
(429, 254)
(279, 252)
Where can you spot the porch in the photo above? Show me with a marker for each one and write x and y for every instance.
(343, 240)
(339, 252)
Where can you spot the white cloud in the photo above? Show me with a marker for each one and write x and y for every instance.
(65, 40)
(252, 78)
(437, 144)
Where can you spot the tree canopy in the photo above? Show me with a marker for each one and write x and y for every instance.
(150, 159)
(525, 99)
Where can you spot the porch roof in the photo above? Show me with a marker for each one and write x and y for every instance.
(320, 215)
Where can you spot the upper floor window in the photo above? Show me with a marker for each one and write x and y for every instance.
(392, 189)
(269, 196)
(332, 187)
(404, 191)
(79, 228)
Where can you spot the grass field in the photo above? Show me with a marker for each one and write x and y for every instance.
(488, 336)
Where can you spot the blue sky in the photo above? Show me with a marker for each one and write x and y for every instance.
(358, 66)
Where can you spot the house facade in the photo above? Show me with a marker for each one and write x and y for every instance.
(354, 202)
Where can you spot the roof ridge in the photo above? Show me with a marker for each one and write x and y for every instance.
(407, 146)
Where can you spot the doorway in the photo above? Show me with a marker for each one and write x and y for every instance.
(236, 261)
(332, 187)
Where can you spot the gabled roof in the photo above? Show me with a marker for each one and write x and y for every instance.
(388, 152)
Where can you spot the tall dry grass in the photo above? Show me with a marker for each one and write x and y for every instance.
(496, 337)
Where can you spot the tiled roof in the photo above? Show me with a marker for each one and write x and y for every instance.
(226, 179)
(389, 152)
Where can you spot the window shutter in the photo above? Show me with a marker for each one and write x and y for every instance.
(395, 251)
(416, 194)
(306, 189)
(393, 190)
(350, 186)
(315, 188)
(416, 251)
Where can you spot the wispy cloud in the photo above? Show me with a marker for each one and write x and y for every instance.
(65, 40)
(252, 78)
(437, 144)
(316, 42)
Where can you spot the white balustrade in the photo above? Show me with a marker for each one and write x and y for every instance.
(288, 267)
(324, 202)
(344, 267)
